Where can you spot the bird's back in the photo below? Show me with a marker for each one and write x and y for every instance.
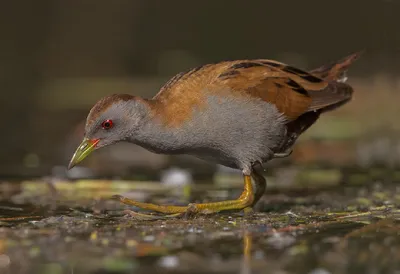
(247, 109)
(293, 91)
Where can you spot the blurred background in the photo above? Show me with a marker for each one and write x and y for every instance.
(331, 207)
(57, 58)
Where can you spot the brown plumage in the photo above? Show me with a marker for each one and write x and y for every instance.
(293, 91)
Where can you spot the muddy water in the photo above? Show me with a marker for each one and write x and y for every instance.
(343, 228)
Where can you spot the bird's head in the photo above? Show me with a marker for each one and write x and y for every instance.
(112, 119)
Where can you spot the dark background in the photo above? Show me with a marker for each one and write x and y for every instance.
(57, 58)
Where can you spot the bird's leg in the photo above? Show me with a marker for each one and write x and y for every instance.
(259, 180)
(260, 185)
(245, 200)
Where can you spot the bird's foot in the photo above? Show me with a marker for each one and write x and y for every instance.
(190, 213)
(244, 201)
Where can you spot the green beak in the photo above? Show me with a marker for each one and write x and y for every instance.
(83, 150)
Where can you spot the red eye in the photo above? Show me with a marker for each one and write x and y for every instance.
(107, 124)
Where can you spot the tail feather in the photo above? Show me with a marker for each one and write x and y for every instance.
(336, 71)
(334, 95)
(337, 93)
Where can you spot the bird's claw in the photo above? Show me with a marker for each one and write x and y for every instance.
(150, 217)
(191, 211)
(284, 154)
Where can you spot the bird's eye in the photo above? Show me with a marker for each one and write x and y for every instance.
(107, 124)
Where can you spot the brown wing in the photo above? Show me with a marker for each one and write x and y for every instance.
(286, 87)
(191, 81)
(290, 89)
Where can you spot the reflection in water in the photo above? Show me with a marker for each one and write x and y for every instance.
(246, 261)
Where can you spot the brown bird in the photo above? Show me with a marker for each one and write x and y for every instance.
(235, 113)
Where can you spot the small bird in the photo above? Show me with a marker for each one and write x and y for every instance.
(235, 113)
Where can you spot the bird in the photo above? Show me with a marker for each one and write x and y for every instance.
(239, 114)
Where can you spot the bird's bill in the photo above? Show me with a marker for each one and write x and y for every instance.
(83, 150)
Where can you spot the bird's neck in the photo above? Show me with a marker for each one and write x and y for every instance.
(157, 138)
(154, 135)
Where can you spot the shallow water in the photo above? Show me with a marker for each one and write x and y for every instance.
(316, 228)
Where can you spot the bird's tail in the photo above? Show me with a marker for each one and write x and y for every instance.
(336, 71)
(338, 92)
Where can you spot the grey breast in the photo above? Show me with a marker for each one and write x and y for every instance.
(231, 131)
(235, 131)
